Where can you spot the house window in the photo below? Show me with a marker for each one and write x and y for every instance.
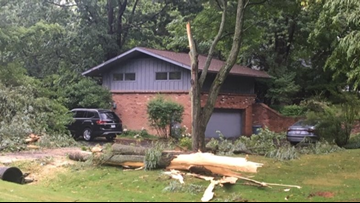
(175, 76)
(129, 76)
(118, 77)
(161, 76)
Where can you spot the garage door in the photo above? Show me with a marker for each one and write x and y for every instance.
(227, 121)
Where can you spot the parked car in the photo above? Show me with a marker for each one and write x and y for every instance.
(301, 130)
(92, 123)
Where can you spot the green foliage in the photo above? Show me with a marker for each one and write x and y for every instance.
(57, 141)
(283, 153)
(354, 142)
(321, 147)
(137, 134)
(86, 93)
(175, 186)
(270, 144)
(153, 156)
(163, 113)
(186, 142)
(293, 110)
(336, 120)
(283, 88)
(338, 23)
(264, 142)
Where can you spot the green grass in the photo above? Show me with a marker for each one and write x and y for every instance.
(337, 173)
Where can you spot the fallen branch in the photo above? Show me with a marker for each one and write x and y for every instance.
(177, 175)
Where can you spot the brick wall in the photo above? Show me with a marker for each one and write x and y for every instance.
(131, 107)
(265, 116)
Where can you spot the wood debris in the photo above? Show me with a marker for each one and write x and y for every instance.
(32, 138)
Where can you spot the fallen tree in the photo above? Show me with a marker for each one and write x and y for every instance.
(200, 163)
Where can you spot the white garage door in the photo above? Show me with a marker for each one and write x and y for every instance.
(227, 121)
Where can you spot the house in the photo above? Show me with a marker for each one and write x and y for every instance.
(137, 76)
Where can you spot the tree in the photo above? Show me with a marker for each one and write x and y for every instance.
(201, 116)
(339, 22)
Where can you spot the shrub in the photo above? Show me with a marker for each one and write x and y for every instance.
(293, 110)
(162, 114)
(137, 134)
(354, 142)
(186, 142)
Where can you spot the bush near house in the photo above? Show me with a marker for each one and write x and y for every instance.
(163, 113)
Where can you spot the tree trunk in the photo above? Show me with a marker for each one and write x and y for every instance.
(195, 91)
(201, 117)
(128, 150)
(222, 165)
(122, 8)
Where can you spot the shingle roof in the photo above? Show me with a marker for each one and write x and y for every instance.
(180, 59)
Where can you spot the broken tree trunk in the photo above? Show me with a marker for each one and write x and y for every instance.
(228, 166)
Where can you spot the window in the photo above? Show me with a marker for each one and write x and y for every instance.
(90, 114)
(80, 114)
(161, 76)
(118, 77)
(175, 76)
(129, 76)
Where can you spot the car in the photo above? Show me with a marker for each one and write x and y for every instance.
(92, 123)
(300, 130)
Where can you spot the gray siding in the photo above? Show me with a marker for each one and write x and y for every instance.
(233, 84)
(145, 69)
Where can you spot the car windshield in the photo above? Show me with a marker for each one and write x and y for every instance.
(109, 116)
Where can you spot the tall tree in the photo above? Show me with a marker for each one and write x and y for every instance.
(201, 116)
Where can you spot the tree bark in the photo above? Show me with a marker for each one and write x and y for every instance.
(128, 150)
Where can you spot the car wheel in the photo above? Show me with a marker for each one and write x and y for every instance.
(87, 134)
(110, 138)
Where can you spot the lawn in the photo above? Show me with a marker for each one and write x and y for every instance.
(332, 177)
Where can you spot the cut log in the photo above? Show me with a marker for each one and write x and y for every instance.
(129, 161)
(80, 156)
(226, 166)
(119, 149)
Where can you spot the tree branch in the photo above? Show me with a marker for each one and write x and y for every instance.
(255, 3)
(225, 70)
(212, 48)
(126, 27)
(152, 17)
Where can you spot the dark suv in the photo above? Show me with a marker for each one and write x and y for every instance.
(92, 123)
